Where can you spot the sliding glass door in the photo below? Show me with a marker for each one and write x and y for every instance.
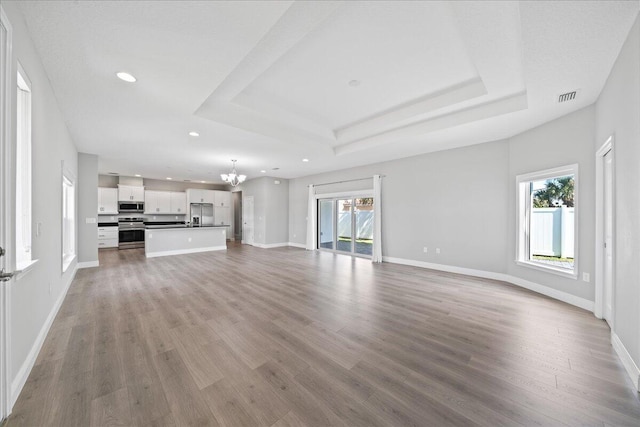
(346, 225)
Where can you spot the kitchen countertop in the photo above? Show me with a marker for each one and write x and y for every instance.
(173, 227)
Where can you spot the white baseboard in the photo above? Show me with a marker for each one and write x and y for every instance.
(270, 245)
(536, 287)
(23, 373)
(89, 264)
(627, 361)
(185, 251)
(297, 245)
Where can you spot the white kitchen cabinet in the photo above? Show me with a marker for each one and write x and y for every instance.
(196, 195)
(107, 201)
(108, 237)
(222, 215)
(178, 203)
(165, 202)
(128, 193)
(222, 198)
(157, 202)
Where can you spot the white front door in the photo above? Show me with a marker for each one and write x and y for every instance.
(608, 237)
(7, 258)
(247, 217)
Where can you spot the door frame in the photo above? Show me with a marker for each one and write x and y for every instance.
(598, 311)
(8, 261)
(244, 219)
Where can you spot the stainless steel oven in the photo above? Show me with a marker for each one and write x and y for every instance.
(130, 233)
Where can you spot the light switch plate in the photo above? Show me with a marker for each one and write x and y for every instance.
(90, 220)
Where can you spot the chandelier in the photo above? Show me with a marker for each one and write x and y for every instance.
(233, 178)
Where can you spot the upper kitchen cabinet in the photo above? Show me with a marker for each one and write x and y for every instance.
(178, 203)
(222, 198)
(107, 201)
(127, 193)
(157, 202)
(165, 202)
(195, 195)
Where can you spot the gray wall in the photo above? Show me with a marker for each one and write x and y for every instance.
(87, 207)
(618, 113)
(454, 200)
(271, 209)
(561, 142)
(35, 294)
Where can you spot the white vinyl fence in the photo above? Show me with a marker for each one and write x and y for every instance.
(552, 231)
(364, 224)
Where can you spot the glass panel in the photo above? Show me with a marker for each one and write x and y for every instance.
(551, 240)
(345, 224)
(325, 224)
(364, 225)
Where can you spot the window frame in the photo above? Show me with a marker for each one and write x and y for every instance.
(23, 264)
(523, 216)
(67, 260)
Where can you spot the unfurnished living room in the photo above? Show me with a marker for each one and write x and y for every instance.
(319, 213)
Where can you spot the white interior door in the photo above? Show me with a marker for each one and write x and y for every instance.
(247, 216)
(608, 236)
(7, 259)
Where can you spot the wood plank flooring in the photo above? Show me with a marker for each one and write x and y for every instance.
(286, 337)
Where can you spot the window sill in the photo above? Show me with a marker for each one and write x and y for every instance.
(67, 262)
(23, 268)
(557, 271)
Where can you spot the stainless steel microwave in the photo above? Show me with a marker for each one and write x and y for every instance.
(130, 207)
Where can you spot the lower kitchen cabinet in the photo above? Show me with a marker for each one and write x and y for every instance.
(107, 237)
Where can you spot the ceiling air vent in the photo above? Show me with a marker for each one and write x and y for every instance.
(569, 96)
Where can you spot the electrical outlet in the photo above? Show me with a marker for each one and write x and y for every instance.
(425, 249)
(586, 277)
(294, 235)
(438, 250)
(189, 240)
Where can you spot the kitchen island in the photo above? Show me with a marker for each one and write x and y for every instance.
(184, 240)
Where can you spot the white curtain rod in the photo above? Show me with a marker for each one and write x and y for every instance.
(340, 182)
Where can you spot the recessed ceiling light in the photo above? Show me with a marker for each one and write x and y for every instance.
(263, 171)
(203, 182)
(169, 178)
(126, 77)
(275, 169)
(354, 83)
(138, 175)
(192, 133)
(305, 160)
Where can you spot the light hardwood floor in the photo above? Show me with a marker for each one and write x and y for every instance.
(286, 337)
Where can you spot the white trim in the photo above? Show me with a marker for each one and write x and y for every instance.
(297, 245)
(599, 240)
(185, 251)
(88, 264)
(270, 245)
(27, 365)
(536, 287)
(627, 360)
(6, 183)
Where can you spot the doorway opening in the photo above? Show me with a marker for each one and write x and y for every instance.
(237, 215)
(605, 232)
(345, 225)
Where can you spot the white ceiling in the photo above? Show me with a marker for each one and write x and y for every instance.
(267, 83)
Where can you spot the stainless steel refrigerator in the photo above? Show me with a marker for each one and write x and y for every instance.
(201, 215)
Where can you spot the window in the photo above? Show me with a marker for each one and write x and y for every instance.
(346, 225)
(547, 220)
(68, 220)
(23, 172)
